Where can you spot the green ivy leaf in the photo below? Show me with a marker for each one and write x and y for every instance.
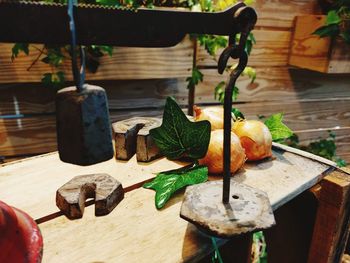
(53, 80)
(346, 36)
(237, 114)
(250, 73)
(54, 57)
(178, 137)
(19, 47)
(167, 183)
(219, 93)
(196, 77)
(277, 128)
(332, 18)
(327, 31)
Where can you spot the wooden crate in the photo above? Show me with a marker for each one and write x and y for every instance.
(311, 224)
(312, 52)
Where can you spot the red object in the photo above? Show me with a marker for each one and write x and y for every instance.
(20, 237)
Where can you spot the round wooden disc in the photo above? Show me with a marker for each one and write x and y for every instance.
(248, 209)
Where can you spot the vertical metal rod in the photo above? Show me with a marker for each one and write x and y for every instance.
(227, 144)
(192, 88)
(243, 60)
(76, 75)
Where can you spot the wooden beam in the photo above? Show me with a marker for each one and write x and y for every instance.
(332, 221)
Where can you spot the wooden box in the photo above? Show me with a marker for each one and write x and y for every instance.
(312, 52)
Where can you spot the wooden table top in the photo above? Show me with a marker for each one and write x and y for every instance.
(135, 231)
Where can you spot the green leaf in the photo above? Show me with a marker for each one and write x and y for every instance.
(327, 31)
(219, 93)
(196, 77)
(19, 47)
(237, 114)
(54, 57)
(277, 128)
(250, 73)
(346, 36)
(167, 183)
(332, 18)
(53, 80)
(178, 137)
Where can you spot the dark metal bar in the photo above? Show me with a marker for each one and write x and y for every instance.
(227, 125)
(33, 22)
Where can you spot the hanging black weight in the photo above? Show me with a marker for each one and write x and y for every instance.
(84, 134)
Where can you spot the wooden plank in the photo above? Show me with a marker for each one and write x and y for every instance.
(271, 49)
(272, 84)
(121, 233)
(302, 115)
(311, 118)
(277, 84)
(126, 63)
(307, 50)
(339, 57)
(49, 173)
(27, 135)
(280, 14)
(333, 218)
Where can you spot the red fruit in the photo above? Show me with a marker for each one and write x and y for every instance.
(20, 237)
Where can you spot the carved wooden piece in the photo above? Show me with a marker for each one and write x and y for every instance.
(107, 191)
(132, 136)
(83, 129)
(248, 209)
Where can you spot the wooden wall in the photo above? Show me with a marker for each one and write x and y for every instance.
(313, 103)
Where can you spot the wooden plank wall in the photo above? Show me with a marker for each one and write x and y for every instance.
(313, 103)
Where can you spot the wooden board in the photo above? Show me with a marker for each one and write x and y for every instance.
(272, 84)
(271, 49)
(123, 235)
(126, 63)
(280, 14)
(320, 54)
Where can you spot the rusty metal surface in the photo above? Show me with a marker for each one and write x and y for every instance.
(37, 22)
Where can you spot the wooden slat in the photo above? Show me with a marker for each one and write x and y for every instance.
(271, 49)
(27, 136)
(126, 63)
(272, 84)
(332, 221)
(278, 84)
(136, 230)
(280, 14)
(37, 134)
(307, 50)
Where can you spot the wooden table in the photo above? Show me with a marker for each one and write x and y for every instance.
(137, 232)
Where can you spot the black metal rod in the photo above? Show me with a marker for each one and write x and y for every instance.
(243, 60)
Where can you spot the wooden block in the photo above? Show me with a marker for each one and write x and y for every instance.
(83, 129)
(332, 221)
(132, 136)
(312, 52)
(107, 192)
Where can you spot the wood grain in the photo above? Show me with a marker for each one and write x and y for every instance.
(126, 63)
(271, 49)
(123, 235)
(332, 221)
(320, 54)
(272, 84)
(280, 14)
